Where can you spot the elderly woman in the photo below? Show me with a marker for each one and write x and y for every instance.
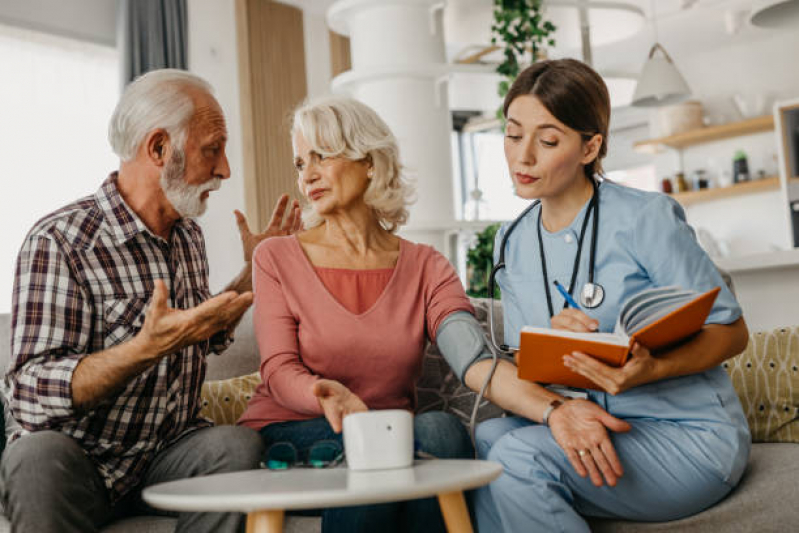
(343, 309)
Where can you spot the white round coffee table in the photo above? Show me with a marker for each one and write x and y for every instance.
(265, 494)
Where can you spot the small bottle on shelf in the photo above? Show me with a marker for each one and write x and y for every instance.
(700, 179)
(740, 167)
(682, 185)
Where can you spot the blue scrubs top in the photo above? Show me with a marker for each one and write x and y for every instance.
(643, 242)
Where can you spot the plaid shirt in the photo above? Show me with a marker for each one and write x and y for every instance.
(84, 276)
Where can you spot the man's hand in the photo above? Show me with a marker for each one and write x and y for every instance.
(640, 368)
(579, 428)
(571, 319)
(167, 330)
(277, 225)
(337, 401)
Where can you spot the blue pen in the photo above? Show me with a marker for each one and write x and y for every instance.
(566, 295)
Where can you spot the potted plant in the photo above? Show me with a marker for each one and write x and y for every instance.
(479, 261)
(519, 29)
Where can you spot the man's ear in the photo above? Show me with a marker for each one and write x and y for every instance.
(156, 146)
(591, 148)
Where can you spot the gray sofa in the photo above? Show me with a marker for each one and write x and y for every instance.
(766, 501)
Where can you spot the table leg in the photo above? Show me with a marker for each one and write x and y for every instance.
(265, 522)
(456, 515)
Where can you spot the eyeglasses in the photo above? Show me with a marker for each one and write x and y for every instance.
(322, 454)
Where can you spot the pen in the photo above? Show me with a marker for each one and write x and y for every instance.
(566, 295)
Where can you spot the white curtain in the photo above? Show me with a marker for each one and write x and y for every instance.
(56, 97)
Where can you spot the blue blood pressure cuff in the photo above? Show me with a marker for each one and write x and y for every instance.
(461, 341)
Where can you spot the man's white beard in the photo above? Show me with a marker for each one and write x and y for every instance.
(186, 199)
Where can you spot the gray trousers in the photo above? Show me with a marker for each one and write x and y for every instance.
(50, 485)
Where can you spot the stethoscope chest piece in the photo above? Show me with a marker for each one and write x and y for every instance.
(592, 295)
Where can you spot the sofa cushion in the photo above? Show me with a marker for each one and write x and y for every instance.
(766, 378)
(240, 358)
(225, 400)
(764, 501)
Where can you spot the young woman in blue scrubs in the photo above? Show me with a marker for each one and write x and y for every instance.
(665, 436)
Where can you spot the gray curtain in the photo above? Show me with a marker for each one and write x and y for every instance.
(152, 35)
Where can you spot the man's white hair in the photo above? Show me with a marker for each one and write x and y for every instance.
(337, 126)
(157, 99)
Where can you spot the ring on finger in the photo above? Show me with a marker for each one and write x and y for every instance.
(582, 453)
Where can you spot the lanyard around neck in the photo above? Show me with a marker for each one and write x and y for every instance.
(592, 209)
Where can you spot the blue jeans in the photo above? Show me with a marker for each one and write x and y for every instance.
(437, 433)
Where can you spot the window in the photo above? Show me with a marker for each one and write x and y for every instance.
(642, 177)
(482, 176)
(56, 98)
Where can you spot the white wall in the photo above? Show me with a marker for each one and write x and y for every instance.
(213, 55)
(88, 20)
(317, 53)
(754, 223)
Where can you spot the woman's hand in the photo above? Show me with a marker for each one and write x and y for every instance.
(572, 319)
(278, 226)
(579, 428)
(640, 368)
(337, 401)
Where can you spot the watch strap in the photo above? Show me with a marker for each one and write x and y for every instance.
(554, 404)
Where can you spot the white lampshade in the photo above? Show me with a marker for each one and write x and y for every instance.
(660, 82)
(775, 14)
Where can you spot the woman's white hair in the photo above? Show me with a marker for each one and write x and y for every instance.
(157, 99)
(336, 126)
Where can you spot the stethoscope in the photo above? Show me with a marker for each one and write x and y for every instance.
(592, 294)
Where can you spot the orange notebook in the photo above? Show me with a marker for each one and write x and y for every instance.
(656, 318)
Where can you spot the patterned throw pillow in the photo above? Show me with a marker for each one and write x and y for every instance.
(440, 390)
(224, 401)
(766, 377)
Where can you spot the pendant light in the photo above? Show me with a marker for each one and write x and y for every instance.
(660, 82)
(775, 14)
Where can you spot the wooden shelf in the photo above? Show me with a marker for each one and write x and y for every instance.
(704, 135)
(746, 187)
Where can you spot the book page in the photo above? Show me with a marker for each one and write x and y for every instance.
(636, 300)
(649, 310)
(605, 338)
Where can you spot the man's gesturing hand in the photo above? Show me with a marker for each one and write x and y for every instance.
(278, 225)
(167, 330)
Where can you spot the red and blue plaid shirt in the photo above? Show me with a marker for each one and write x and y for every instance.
(84, 277)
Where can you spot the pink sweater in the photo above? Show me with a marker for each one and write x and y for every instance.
(305, 334)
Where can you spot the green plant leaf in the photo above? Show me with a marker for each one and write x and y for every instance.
(518, 25)
(479, 262)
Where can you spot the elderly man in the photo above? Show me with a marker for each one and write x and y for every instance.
(112, 322)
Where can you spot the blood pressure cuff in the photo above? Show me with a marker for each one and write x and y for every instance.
(461, 341)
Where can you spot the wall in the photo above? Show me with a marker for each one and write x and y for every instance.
(317, 53)
(213, 55)
(749, 224)
(89, 20)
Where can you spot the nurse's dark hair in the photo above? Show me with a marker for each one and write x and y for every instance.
(575, 95)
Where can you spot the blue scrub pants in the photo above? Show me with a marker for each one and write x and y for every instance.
(687, 449)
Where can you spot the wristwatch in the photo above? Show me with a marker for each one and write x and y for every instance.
(554, 404)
